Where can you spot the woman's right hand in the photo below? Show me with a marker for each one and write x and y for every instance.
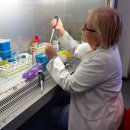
(59, 25)
(50, 51)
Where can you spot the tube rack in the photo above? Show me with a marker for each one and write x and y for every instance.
(12, 69)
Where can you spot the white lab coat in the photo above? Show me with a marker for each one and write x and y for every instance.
(96, 101)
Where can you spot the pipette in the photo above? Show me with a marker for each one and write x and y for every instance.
(41, 78)
(54, 28)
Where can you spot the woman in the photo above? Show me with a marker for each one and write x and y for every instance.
(95, 86)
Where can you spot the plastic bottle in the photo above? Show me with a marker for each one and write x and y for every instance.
(55, 45)
(23, 58)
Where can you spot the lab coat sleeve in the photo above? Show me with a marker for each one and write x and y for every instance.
(76, 49)
(86, 76)
(68, 42)
(81, 50)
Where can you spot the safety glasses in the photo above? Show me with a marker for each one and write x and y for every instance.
(85, 28)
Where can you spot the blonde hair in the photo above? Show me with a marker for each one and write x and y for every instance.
(108, 25)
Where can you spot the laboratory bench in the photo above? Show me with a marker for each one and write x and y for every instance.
(21, 99)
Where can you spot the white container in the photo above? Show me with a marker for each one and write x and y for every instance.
(55, 45)
(63, 58)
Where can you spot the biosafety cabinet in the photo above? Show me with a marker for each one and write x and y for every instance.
(21, 21)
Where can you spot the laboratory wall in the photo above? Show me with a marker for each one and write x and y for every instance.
(124, 43)
(21, 20)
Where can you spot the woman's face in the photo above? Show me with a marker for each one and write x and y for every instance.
(89, 32)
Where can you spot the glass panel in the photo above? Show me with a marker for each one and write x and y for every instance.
(21, 20)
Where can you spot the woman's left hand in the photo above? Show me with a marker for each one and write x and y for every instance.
(50, 51)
